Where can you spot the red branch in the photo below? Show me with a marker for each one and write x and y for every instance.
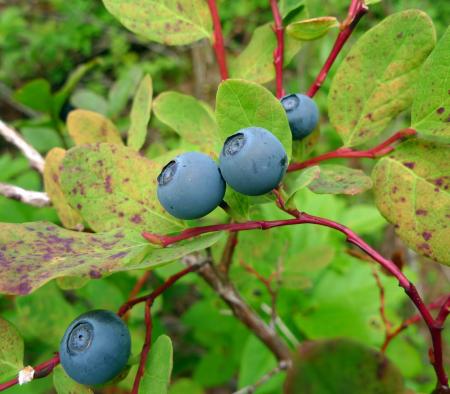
(278, 53)
(356, 10)
(386, 321)
(441, 302)
(40, 371)
(434, 326)
(138, 287)
(379, 150)
(149, 299)
(218, 45)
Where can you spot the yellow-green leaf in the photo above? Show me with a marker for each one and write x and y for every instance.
(311, 29)
(375, 82)
(87, 127)
(11, 350)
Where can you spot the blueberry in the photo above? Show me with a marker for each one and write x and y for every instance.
(302, 114)
(253, 161)
(95, 347)
(190, 186)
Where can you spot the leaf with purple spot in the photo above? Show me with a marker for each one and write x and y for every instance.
(113, 186)
(412, 191)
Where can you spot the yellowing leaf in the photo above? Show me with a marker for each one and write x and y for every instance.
(311, 29)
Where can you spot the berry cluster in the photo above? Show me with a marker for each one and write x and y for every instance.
(252, 161)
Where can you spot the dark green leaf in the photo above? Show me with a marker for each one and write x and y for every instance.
(165, 21)
(431, 105)
(342, 366)
(36, 95)
(375, 82)
(140, 114)
(412, 192)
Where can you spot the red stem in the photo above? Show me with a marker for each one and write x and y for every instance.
(40, 371)
(302, 218)
(278, 53)
(356, 10)
(386, 321)
(146, 347)
(138, 287)
(379, 150)
(218, 44)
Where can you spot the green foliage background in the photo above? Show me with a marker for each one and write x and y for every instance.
(324, 291)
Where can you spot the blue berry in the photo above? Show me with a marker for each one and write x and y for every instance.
(253, 161)
(95, 347)
(190, 186)
(302, 114)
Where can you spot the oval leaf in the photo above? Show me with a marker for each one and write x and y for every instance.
(335, 179)
(31, 254)
(69, 217)
(412, 192)
(140, 114)
(65, 385)
(242, 104)
(11, 350)
(431, 106)
(113, 186)
(311, 29)
(342, 366)
(255, 62)
(376, 80)
(165, 21)
(158, 367)
(190, 118)
(87, 127)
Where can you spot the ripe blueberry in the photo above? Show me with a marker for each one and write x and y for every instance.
(95, 347)
(302, 114)
(253, 161)
(190, 186)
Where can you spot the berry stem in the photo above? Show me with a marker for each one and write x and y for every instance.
(379, 150)
(40, 371)
(356, 10)
(434, 326)
(278, 53)
(218, 44)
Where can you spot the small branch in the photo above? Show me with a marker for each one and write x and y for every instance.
(281, 325)
(242, 311)
(443, 312)
(37, 199)
(356, 10)
(218, 44)
(228, 252)
(282, 366)
(439, 303)
(146, 347)
(384, 318)
(40, 371)
(33, 156)
(278, 53)
(379, 150)
(137, 288)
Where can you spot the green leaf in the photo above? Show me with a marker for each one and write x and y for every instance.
(375, 82)
(140, 114)
(122, 90)
(185, 386)
(295, 181)
(165, 21)
(238, 203)
(158, 367)
(36, 95)
(342, 366)
(31, 254)
(42, 138)
(242, 104)
(412, 192)
(302, 149)
(312, 29)
(69, 217)
(431, 105)
(336, 179)
(190, 118)
(65, 385)
(255, 62)
(11, 350)
(89, 100)
(113, 186)
(86, 127)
